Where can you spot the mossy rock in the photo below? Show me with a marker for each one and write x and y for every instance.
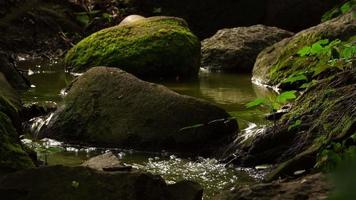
(156, 47)
(109, 107)
(281, 60)
(10, 103)
(326, 112)
(12, 155)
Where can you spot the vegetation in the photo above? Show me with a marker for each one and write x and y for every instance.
(155, 47)
(339, 10)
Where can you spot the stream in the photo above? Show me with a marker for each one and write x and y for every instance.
(229, 91)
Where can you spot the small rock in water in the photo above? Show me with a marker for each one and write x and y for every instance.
(299, 172)
(106, 162)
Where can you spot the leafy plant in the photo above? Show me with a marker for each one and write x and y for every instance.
(274, 104)
(296, 77)
(339, 10)
(330, 55)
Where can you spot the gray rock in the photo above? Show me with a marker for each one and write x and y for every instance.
(107, 160)
(236, 49)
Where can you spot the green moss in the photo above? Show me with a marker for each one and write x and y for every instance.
(154, 47)
(282, 60)
(12, 155)
(327, 112)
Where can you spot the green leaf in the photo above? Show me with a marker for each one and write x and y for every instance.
(286, 96)
(306, 85)
(256, 102)
(323, 42)
(293, 78)
(346, 7)
(304, 51)
(348, 52)
(316, 49)
(295, 125)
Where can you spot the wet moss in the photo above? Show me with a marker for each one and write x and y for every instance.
(12, 155)
(327, 111)
(154, 47)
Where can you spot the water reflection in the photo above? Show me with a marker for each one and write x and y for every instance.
(47, 79)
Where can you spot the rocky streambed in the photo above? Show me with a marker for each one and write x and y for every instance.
(132, 102)
(230, 92)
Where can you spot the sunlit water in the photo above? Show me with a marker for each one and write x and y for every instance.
(229, 91)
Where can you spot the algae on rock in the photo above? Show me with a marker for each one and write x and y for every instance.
(280, 61)
(12, 155)
(156, 47)
(109, 107)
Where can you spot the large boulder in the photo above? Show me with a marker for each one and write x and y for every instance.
(278, 62)
(321, 121)
(207, 16)
(12, 155)
(156, 47)
(109, 107)
(59, 182)
(236, 49)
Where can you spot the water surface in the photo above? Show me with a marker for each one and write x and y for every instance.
(229, 91)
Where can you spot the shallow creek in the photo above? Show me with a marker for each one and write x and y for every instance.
(229, 91)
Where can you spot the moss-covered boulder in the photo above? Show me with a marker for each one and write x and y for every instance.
(12, 155)
(59, 182)
(282, 60)
(319, 127)
(109, 107)
(156, 47)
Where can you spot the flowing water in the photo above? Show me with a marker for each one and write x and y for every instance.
(229, 91)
